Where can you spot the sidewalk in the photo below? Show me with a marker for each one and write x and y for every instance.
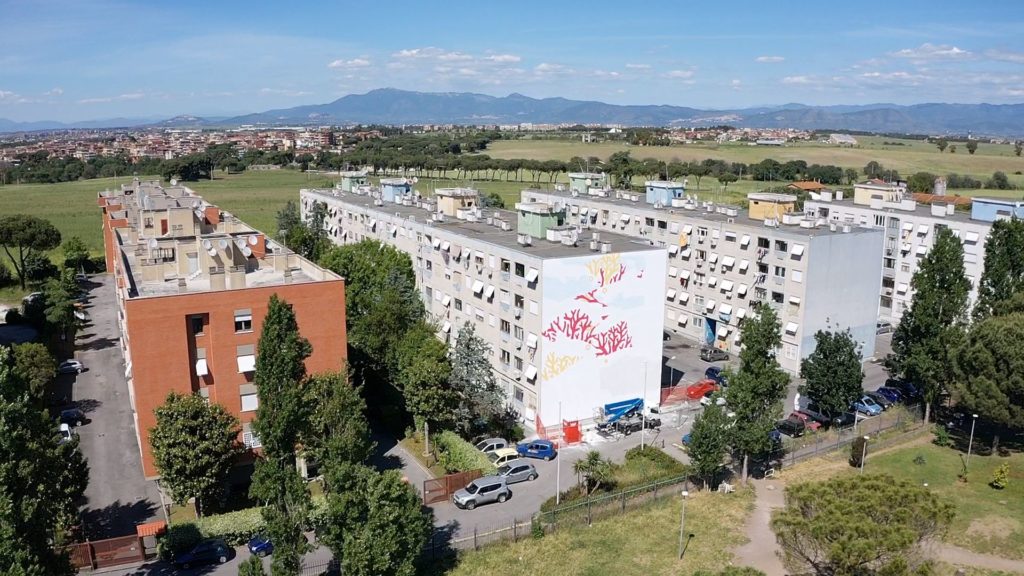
(761, 551)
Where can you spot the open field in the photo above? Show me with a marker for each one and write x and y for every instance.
(641, 543)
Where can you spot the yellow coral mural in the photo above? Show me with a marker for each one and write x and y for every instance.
(555, 365)
(606, 269)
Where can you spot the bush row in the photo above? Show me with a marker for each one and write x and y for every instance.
(457, 455)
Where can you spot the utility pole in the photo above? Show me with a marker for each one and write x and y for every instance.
(558, 466)
(682, 524)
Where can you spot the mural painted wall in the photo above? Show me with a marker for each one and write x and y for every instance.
(602, 317)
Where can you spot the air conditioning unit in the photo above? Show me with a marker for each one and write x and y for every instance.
(517, 312)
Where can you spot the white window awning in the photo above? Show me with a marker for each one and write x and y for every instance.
(741, 313)
(687, 228)
(907, 226)
(795, 300)
(685, 253)
(673, 271)
(446, 327)
(722, 332)
(532, 274)
(670, 294)
(584, 211)
(797, 250)
(489, 291)
(922, 229)
(479, 254)
(716, 233)
(478, 287)
(922, 250)
(624, 218)
(742, 289)
(727, 285)
(246, 363)
(744, 264)
(792, 327)
(456, 251)
(684, 274)
(712, 281)
(531, 340)
(446, 245)
(728, 261)
(745, 240)
(905, 247)
(673, 227)
(683, 318)
(684, 297)
(971, 237)
(712, 258)
(201, 368)
(725, 309)
(394, 232)
(531, 372)
(446, 300)
(710, 304)
(673, 249)
(436, 242)
(902, 288)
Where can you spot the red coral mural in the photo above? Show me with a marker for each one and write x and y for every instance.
(577, 325)
(612, 340)
(604, 281)
(590, 298)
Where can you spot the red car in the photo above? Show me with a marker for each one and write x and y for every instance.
(698, 390)
(809, 422)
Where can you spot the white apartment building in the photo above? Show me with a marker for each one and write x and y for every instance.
(574, 322)
(909, 231)
(721, 260)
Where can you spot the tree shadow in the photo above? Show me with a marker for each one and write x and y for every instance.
(98, 344)
(87, 405)
(116, 519)
(383, 443)
(164, 568)
(439, 555)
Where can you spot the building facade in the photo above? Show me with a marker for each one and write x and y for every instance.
(573, 323)
(720, 262)
(909, 230)
(193, 283)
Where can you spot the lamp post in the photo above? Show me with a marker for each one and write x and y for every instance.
(682, 523)
(643, 411)
(671, 372)
(864, 453)
(558, 467)
(970, 443)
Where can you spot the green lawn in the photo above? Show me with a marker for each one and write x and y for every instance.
(988, 520)
(639, 543)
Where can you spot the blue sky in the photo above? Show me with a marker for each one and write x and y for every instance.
(81, 59)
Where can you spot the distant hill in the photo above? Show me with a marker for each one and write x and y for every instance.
(392, 106)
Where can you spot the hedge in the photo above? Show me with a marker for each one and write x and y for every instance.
(456, 455)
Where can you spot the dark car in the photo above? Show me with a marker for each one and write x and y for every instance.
(880, 399)
(715, 373)
(909, 391)
(206, 552)
(792, 427)
(711, 354)
(827, 419)
(892, 394)
(73, 417)
(260, 545)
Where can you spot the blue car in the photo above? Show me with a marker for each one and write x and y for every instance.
(715, 373)
(686, 439)
(260, 545)
(206, 552)
(867, 406)
(892, 394)
(543, 449)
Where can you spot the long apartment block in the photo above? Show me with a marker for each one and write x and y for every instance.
(573, 320)
(721, 260)
(193, 283)
(910, 228)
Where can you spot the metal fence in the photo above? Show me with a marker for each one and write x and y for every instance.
(439, 489)
(328, 568)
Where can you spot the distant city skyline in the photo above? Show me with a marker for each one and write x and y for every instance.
(72, 61)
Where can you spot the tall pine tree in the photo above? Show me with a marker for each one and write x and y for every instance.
(832, 373)
(933, 327)
(479, 397)
(281, 417)
(1004, 267)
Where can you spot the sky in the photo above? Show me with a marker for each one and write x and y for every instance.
(72, 60)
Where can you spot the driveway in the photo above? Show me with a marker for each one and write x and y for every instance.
(117, 497)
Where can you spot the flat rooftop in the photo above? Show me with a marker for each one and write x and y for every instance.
(920, 211)
(480, 231)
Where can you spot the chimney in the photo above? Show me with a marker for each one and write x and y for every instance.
(217, 280)
(182, 287)
(236, 277)
(288, 276)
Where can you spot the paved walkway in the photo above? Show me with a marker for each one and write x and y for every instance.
(963, 557)
(761, 551)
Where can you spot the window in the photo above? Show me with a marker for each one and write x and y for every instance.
(662, 224)
(778, 297)
(796, 276)
(698, 301)
(889, 263)
(250, 402)
(458, 304)
(763, 242)
(506, 358)
(196, 324)
(534, 307)
(888, 283)
(503, 296)
(730, 236)
(698, 278)
(649, 222)
(894, 223)
(249, 438)
(698, 321)
(702, 255)
(506, 326)
(243, 320)
(429, 265)
(762, 268)
(760, 293)
(430, 292)
(518, 394)
(780, 272)
(147, 222)
(517, 332)
(879, 220)
(519, 301)
(905, 267)
(519, 363)
(781, 245)
(506, 266)
(702, 233)
(520, 269)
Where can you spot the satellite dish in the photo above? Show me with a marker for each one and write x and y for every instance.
(196, 204)
(174, 181)
(222, 243)
(254, 239)
(207, 244)
(588, 182)
(246, 251)
(240, 242)
(212, 251)
(153, 243)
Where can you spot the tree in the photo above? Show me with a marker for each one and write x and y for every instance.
(312, 243)
(709, 442)
(989, 370)
(338, 430)
(832, 373)
(59, 312)
(282, 415)
(972, 146)
(492, 200)
(471, 377)
(934, 324)
(253, 566)
(921, 182)
(375, 523)
(874, 169)
(941, 144)
(39, 268)
(999, 181)
(593, 470)
(423, 375)
(288, 219)
(952, 148)
(21, 234)
(757, 389)
(1017, 147)
(1003, 275)
(194, 444)
(851, 176)
(41, 482)
(727, 178)
(75, 253)
(35, 367)
(821, 530)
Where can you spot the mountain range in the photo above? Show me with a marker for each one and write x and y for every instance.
(392, 106)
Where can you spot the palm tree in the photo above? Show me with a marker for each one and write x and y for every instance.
(594, 470)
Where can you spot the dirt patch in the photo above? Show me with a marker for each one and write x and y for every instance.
(996, 527)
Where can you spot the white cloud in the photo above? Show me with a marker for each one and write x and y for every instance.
(284, 92)
(349, 64)
(928, 51)
(679, 74)
(638, 66)
(1005, 56)
(104, 99)
(431, 52)
(769, 59)
(797, 80)
(606, 74)
(736, 84)
(54, 92)
(503, 58)
(7, 95)
(546, 67)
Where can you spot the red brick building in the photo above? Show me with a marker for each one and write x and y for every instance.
(193, 284)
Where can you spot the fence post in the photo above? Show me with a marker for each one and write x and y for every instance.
(590, 512)
(476, 546)
(514, 526)
(624, 498)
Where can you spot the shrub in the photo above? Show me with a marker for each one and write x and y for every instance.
(942, 437)
(13, 316)
(5, 275)
(456, 455)
(1001, 477)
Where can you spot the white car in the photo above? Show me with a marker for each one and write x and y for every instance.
(71, 367)
(65, 433)
(706, 399)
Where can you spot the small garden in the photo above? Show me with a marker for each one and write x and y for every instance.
(598, 476)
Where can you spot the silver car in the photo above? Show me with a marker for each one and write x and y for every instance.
(491, 444)
(482, 491)
(517, 471)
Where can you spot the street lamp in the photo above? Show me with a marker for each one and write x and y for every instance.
(864, 453)
(970, 443)
(671, 372)
(682, 523)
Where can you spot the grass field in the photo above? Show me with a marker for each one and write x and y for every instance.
(641, 543)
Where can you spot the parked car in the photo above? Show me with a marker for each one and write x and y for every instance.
(698, 390)
(81, 316)
(883, 327)
(712, 354)
(665, 336)
(543, 449)
(880, 399)
(892, 394)
(687, 438)
(206, 552)
(491, 444)
(66, 435)
(792, 427)
(827, 419)
(715, 373)
(482, 491)
(809, 423)
(71, 367)
(260, 545)
(712, 396)
(502, 456)
(906, 388)
(517, 471)
(867, 406)
(73, 417)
